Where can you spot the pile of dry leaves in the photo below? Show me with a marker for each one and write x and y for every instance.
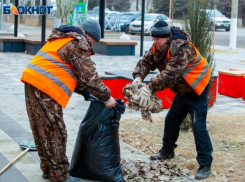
(131, 93)
(140, 171)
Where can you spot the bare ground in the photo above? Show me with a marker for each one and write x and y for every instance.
(227, 132)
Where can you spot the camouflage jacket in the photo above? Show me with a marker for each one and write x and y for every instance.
(171, 71)
(78, 53)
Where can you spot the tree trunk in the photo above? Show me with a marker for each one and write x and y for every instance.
(240, 8)
(22, 17)
(39, 3)
(243, 14)
(64, 8)
(32, 4)
(40, 20)
(149, 5)
(7, 16)
(48, 4)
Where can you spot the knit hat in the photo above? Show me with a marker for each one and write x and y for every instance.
(161, 30)
(92, 28)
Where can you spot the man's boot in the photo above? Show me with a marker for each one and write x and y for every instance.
(203, 172)
(167, 152)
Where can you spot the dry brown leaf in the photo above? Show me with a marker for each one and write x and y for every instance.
(153, 171)
(131, 93)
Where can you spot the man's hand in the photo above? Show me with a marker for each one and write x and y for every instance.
(137, 80)
(110, 102)
(145, 95)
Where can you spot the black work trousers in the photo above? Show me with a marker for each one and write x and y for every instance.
(197, 107)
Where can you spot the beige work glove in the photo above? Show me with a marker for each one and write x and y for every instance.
(137, 80)
(145, 95)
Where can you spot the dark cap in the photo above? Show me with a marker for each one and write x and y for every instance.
(92, 28)
(161, 30)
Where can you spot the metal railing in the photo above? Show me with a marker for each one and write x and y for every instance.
(112, 21)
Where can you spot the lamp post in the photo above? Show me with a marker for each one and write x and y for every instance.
(16, 20)
(233, 29)
(102, 16)
(214, 24)
(142, 27)
(43, 26)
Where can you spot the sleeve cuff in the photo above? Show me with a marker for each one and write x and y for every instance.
(107, 100)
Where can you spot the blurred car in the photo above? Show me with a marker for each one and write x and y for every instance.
(96, 15)
(218, 20)
(150, 20)
(126, 19)
(96, 10)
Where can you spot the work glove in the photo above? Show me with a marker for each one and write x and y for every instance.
(145, 95)
(137, 80)
(86, 94)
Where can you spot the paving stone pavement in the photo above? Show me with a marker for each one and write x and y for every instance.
(14, 125)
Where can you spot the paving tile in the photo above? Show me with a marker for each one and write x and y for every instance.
(13, 129)
(11, 174)
(3, 116)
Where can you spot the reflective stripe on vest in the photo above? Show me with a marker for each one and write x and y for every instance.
(62, 65)
(198, 72)
(51, 77)
(50, 74)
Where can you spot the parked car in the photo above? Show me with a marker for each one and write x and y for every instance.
(219, 21)
(150, 20)
(126, 19)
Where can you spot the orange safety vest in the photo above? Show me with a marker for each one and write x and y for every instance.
(50, 74)
(198, 72)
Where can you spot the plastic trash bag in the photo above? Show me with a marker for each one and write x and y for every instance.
(97, 152)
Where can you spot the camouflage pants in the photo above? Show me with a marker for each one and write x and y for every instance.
(49, 132)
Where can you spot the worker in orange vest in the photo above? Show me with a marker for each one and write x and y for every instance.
(62, 66)
(186, 73)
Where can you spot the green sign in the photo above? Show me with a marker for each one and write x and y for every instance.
(78, 15)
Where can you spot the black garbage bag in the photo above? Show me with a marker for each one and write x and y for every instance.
(97, 151)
